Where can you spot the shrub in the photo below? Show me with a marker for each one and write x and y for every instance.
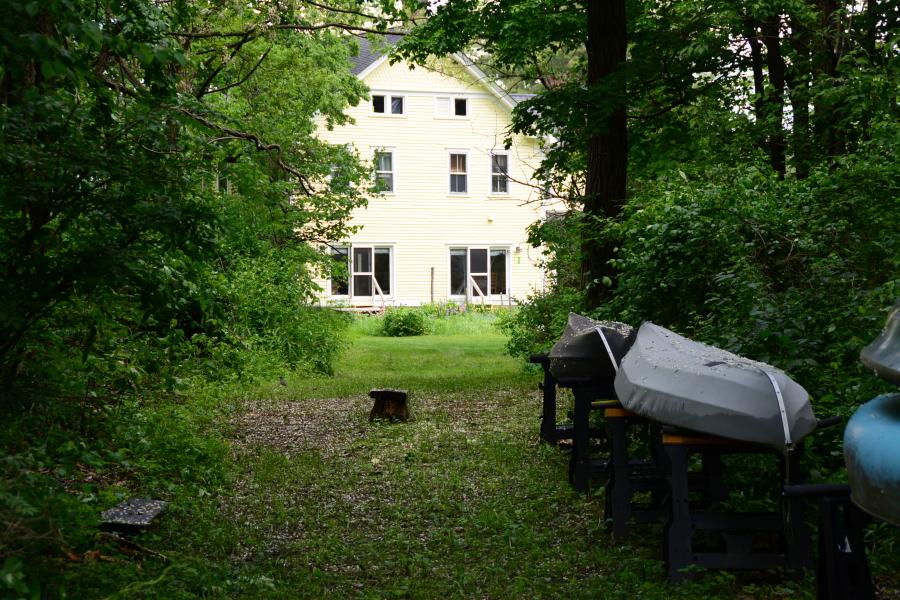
(401, 323)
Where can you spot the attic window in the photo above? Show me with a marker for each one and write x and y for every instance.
(447, 107)
(381, 103)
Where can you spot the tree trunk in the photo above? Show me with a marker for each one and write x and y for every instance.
(797, 77)
(774, 99)
(825, 60)
(607, 149)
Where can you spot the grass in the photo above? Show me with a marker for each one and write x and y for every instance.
(315, 501)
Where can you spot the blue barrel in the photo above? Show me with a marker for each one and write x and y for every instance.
(872, 456)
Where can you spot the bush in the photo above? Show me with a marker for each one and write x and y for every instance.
(402, 323)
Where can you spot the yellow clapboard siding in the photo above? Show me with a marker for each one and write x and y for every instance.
(421, 220)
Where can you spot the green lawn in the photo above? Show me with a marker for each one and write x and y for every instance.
(461, 502)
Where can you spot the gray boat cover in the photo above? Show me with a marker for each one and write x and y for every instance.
(677, 381)
(883, 354)
(589, 348)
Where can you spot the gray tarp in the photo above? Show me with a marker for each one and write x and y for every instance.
(581, 351)
(681, 382)
(883, 354)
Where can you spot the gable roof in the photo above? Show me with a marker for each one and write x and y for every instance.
(372, 55)
(368, 55)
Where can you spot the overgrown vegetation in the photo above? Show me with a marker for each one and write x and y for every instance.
(398, 322)
(311, 500)
(162, 201)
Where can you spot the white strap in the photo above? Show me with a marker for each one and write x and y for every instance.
(609, 351)
(784, 419)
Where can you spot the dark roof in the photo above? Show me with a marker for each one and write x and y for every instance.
(369, 52)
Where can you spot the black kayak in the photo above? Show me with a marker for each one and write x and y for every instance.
(590, 349)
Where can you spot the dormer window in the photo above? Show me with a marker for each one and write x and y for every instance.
(381, 103)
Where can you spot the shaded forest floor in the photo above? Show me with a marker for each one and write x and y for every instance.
(462, 501)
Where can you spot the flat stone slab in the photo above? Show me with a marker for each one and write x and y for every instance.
(132, 515)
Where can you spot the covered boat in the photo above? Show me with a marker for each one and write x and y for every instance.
(872, 456)
(590, 349)
(883, 354)
(872, 437)
(681, 382)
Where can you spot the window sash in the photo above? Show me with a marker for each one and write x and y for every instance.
(499, 173)
(384, 170)
(460, 107)
(378, 103)
(396, 105)
(458, 173)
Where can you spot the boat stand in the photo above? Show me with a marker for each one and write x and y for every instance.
(550, 431)
(739, 531)
(842, 570)
(629, 476)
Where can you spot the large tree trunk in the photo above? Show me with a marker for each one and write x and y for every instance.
(797, 77)
(825, 61)
(771, 30)
(607, 150)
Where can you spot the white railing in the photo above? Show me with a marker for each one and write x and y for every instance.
(380, 292)
(473, 285)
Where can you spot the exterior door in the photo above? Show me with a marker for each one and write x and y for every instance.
(362, 290)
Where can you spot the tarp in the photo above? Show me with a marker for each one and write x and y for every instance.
(883, 354)
(677, 381)
(589, 348)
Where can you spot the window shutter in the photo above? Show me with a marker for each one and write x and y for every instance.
(442, 107)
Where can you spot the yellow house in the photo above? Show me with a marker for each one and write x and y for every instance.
(450, 222)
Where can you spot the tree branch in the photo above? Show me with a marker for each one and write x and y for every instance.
(245, 77)
(260, 145)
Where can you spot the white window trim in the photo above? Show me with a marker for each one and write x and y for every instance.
(450, 152)
(347, 247)
(393, 152)
(491, 298)
(491, 156)
(388, 96)
(350, 296)
(451, 107)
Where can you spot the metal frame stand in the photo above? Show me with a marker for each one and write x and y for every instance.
(737, 530)
(550, 431)
(842, 570)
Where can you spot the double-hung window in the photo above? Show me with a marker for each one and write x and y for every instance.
(459, 176)
(499, 173)
(384, 104)
(384, 170)
(478, 273)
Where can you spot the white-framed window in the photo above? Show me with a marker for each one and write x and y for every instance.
(369, 271)
(479, 272)
(446, 107)
(340, 282)
(384, 170)
(386, 104)
(459, 172)
(499, 173)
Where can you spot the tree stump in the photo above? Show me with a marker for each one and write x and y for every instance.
(389, 405)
